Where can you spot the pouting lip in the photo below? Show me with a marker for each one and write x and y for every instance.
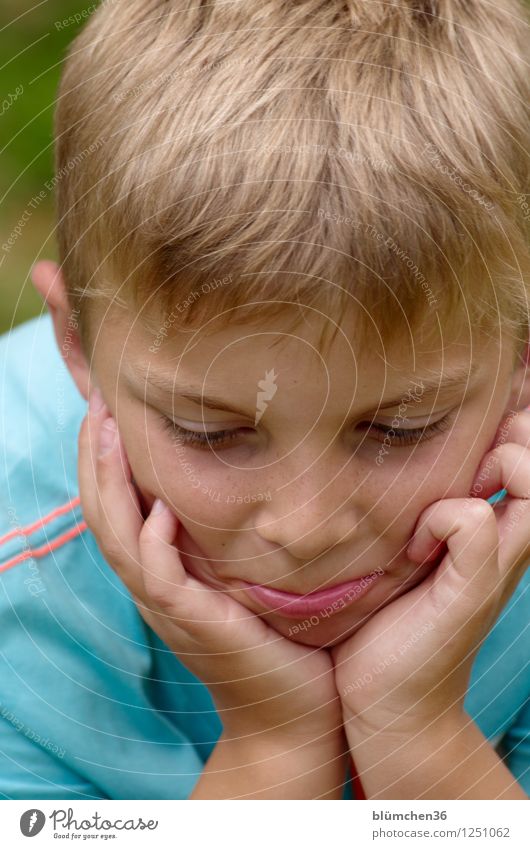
(329, 600)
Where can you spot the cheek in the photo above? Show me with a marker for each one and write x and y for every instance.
(447, 471)
(201, 489)
(405, 489)
(455, 467)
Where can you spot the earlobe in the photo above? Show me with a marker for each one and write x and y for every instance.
(48, 279)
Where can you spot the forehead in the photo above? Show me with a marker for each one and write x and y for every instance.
(298, 326)
(231, 360)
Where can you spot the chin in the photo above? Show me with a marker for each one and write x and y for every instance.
(323, 635)
(315, 642)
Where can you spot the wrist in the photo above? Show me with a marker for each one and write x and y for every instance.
(290, 737)
(363, 728)
(271, 766)
(320, 725)
(408, 759)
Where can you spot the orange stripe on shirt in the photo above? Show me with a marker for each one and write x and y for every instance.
(44, 549)
(29, 529)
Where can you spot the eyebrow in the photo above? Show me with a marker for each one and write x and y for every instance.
(453, 380)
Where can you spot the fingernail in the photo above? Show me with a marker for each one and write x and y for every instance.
(158, 506)
(107, 436)
(96, 401)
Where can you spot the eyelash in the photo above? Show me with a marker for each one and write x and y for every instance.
(202, 440)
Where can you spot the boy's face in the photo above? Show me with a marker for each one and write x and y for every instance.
(311, 496)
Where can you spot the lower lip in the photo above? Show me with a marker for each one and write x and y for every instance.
(324, 602)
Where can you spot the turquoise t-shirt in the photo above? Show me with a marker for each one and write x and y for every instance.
(93, 705)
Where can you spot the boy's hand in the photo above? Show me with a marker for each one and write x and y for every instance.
(411, 662)
(261, 682)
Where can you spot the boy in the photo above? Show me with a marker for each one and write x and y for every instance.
(274, 548)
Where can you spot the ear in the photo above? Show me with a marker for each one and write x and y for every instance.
(48, 279)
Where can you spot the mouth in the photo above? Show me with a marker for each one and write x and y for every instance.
(323, 603)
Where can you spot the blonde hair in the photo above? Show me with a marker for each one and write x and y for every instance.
(327, 153)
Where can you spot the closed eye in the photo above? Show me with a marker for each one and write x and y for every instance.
(213, 439)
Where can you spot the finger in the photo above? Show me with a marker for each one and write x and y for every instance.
(199, 609)
(117, 494)
(506, 467)
(86, 460)
(514, 428)
(469, 529)
(510, 469)
(118, 516)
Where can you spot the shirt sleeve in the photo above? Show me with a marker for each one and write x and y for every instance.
(90, 704)
(32, 768)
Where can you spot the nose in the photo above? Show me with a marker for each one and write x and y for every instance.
(312, 514)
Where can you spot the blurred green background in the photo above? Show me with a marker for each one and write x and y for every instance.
(33, 40)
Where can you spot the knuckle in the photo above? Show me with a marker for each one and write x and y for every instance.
(104, 468)
(495, 455)
(86, 507)
(478, 509)
(111, 548)
(157, 591)
(89, 518)
(507, 449)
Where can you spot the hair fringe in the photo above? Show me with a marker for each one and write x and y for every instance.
(319, 154)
